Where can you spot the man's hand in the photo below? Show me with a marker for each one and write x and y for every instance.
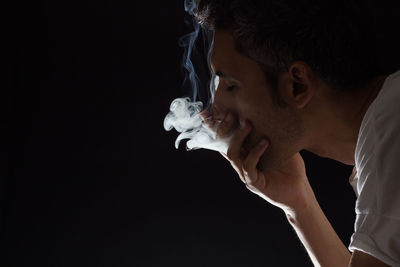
(289, 189)
(286, 187)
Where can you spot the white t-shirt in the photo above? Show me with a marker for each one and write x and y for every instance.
(377, 182)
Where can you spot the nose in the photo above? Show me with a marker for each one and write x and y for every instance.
(219, 106)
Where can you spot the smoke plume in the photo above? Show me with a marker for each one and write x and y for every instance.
(190, 116)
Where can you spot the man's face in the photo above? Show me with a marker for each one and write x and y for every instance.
(244, 91)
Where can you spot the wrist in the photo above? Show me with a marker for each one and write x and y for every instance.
(305, 205)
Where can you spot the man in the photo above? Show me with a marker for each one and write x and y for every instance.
(304, 75)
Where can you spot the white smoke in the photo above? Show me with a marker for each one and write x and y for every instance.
(187, 115)
(193, 124)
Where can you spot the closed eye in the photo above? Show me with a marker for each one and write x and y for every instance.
(231, 88)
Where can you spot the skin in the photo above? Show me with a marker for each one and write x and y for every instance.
(264, 149)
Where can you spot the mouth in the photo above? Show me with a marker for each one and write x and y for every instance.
(212, 123)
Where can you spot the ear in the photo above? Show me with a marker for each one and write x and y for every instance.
(297, 85)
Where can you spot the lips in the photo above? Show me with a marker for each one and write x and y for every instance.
(208, 120)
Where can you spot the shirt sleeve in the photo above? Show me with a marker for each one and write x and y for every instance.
(377, 225)
(377, 236)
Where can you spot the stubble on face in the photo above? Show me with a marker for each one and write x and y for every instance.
(285, 131)
(281, 124)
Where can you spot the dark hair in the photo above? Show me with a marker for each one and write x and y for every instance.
(335, 38)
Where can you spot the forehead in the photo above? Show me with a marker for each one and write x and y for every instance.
(226, 59)
(224, 52)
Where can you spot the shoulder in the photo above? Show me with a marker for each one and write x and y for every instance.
(377, 228)
(387, 105)
(380, 128)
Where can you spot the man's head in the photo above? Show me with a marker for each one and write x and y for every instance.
(333, 37)
(274, 56)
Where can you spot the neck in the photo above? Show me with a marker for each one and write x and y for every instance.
(338, 120)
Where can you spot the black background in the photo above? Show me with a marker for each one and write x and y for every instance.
(90, 177)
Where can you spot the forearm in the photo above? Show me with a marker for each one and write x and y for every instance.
(317, 235)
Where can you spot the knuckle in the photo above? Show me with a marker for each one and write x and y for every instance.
(251, 188)
(246, 167)
(251, 184)
(246, 174)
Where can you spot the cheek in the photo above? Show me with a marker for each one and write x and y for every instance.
(285, 129)
(256, 109)
(259, 117)
(254, 99)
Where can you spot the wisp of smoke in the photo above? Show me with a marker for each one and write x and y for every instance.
(187, 115)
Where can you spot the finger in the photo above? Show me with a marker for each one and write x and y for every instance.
(206, 117)
(250, 163)
(239, 171)
(226, 126)
(205, 113)
(236, 143)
